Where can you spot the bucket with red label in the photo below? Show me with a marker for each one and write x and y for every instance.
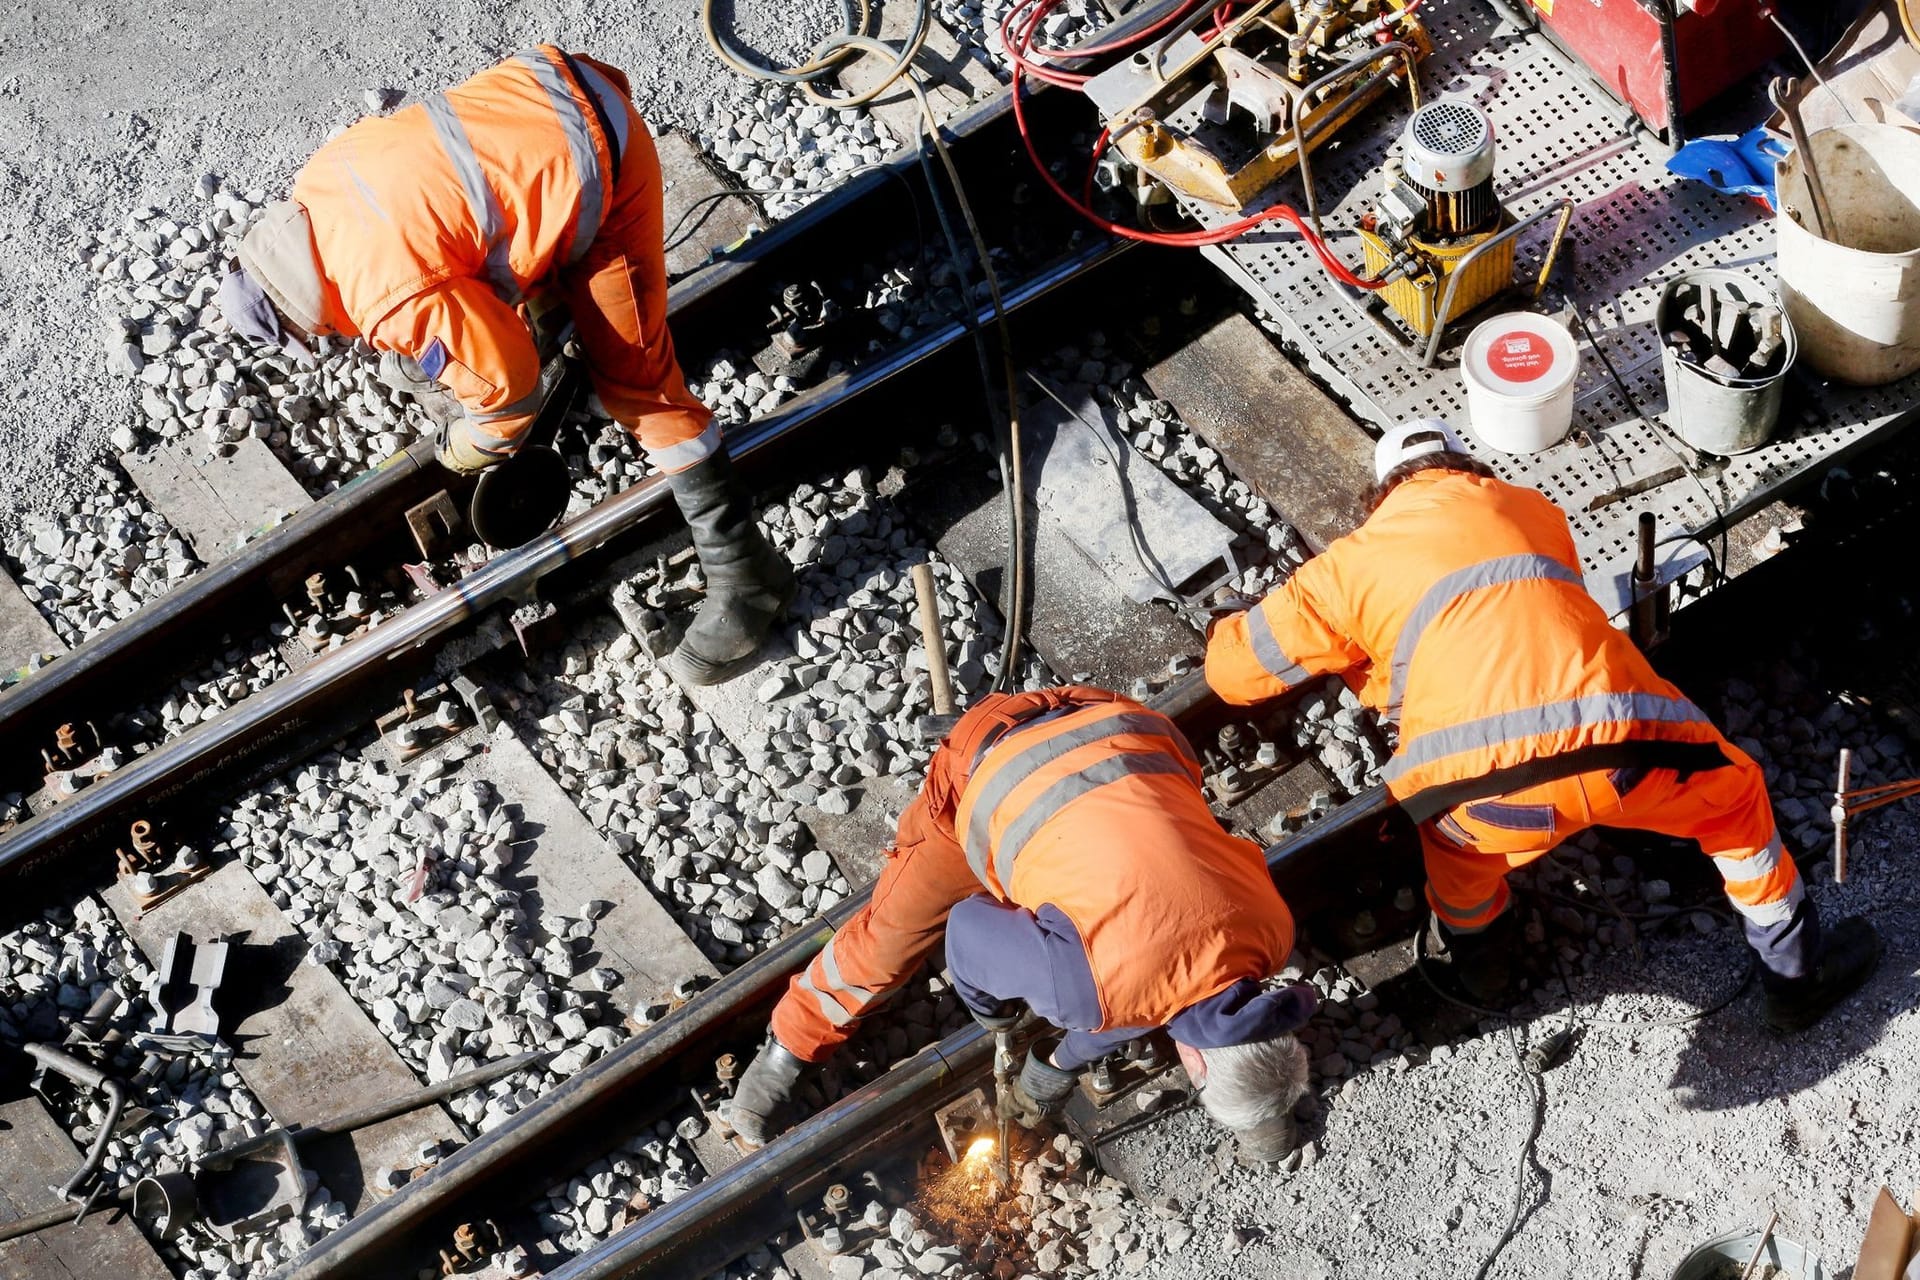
(1519, 371)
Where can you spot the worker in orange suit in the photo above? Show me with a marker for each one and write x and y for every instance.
(1062, 846)
(1457, 612)
(437, 233)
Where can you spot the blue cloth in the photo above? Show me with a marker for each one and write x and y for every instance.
(998, 953)
(1742, 166)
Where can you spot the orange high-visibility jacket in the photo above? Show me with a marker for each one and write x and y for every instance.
(432, 224)
(1457, 611)
(1098, 810)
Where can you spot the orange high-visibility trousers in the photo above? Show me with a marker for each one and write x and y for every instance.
(1470, 849)
(617, 295)
(872, 955)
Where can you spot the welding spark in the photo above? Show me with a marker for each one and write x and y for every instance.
(979, 1149)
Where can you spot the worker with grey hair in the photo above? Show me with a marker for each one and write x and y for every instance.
(1062, 845)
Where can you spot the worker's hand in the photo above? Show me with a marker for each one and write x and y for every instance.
(459, 454)
(764, 1095)
(402, 373)
(1042, 1089)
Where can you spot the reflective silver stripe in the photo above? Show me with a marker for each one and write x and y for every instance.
(1752, 867)
(488, 441)
(830, 970)
(1771, 913)
(678, 457)
(526, 404)
(1475, 918)
(612, 101)
(1488, 573)
(1530, 722)
(1028, 758)
(836, 1014)
(1266, 647)
(480, 197)
(1064, 792)
(586, 161)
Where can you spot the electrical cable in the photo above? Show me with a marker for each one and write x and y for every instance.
(1012, 465)
(1793, 40)
(1681, 453)
(829, 55)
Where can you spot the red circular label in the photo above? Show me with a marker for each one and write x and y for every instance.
(1519, 356)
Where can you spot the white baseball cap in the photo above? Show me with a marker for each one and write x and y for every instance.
(1413, 440)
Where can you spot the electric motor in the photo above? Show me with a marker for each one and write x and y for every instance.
(1447, 157)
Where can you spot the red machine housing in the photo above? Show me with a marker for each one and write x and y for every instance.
(1716, 43)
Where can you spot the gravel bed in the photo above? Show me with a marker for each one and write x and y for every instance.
(787, 148)
(463, 974)
(98, 563)
(715, 826)
(51, 970)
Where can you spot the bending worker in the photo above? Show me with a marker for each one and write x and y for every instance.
(1062, 844)
(1457, 612)
(435, 232)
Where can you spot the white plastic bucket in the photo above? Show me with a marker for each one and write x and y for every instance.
(1519, 370)
(1854, 300)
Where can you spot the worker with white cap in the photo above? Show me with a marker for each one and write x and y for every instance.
(1457, 611)
(438, 233)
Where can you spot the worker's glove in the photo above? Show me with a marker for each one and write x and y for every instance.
(1041, 1090)
(459, 454)
(401, 372)
(1006, 1020)
(764, 1095)
(1227, 605)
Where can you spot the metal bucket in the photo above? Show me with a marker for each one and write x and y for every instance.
(1712, 1260)
(1723, 416)
(1855, 298)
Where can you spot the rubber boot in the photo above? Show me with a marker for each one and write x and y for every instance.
(749, 584)
(1849, 953)
(1481, 962)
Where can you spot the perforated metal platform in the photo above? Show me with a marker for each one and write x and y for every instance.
(1635, 226)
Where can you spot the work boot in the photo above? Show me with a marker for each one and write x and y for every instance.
(1849, 952)
(1480, 962)
(749, 584)
(764, 1097)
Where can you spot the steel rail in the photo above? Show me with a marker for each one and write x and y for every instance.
(269, 725)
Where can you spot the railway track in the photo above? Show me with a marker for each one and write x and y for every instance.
(695, 991)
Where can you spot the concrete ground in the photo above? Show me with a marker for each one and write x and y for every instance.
(106, 106)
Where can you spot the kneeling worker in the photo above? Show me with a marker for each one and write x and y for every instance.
(1063, 845)
(1457, 611)
(433, 233)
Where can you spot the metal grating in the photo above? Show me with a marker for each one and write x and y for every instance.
(1635, 226)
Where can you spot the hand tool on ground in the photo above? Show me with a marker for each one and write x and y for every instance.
(1847, 802)
(933, 639)
(180, 1193)
(89, 1076)
(518, 500)
(1780, 93)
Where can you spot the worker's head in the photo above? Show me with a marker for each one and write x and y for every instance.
(1251, 1089)
(274, 294)
(1428, 444)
